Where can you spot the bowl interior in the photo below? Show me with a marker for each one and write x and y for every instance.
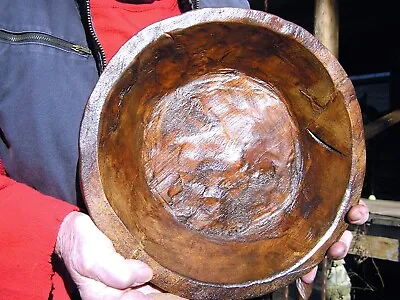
(225, 149)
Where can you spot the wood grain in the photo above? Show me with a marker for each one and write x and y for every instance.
(222, 147)
(375, 246)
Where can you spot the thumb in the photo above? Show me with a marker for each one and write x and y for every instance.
(88, 253)
(95, 290)
(115, 271)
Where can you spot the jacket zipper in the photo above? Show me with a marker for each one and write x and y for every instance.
(196, 4)
(43, 38)
(94, 36)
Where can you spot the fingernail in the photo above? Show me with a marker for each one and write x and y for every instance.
(309, 277)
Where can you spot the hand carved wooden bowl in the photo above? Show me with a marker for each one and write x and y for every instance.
(222, 147)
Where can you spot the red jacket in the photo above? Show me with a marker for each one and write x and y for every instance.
(28, 228)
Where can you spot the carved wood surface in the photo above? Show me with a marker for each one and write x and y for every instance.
(222, 147)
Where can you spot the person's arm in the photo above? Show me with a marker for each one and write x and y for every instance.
(34, 226)
(29, 224)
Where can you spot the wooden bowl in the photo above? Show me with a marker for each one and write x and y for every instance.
(222, 147)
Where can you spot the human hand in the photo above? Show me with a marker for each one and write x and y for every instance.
(357, 215)
(96, 268)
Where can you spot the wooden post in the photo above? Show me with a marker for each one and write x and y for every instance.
(376, 127)
(326, 24)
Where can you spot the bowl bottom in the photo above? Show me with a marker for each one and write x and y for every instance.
(222, 153)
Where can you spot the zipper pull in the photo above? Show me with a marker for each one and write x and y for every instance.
(80, 49)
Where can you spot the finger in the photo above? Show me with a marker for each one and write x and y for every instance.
(161, 296)
(358, 214)
(339, 249)
(310, 276)
(148, 289)
(90, 289)
(117, 272)
(98, 260)
(304, 289)
(134, 295)
(89, 255)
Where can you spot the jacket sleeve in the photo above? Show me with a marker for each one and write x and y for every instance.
(29, 223)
